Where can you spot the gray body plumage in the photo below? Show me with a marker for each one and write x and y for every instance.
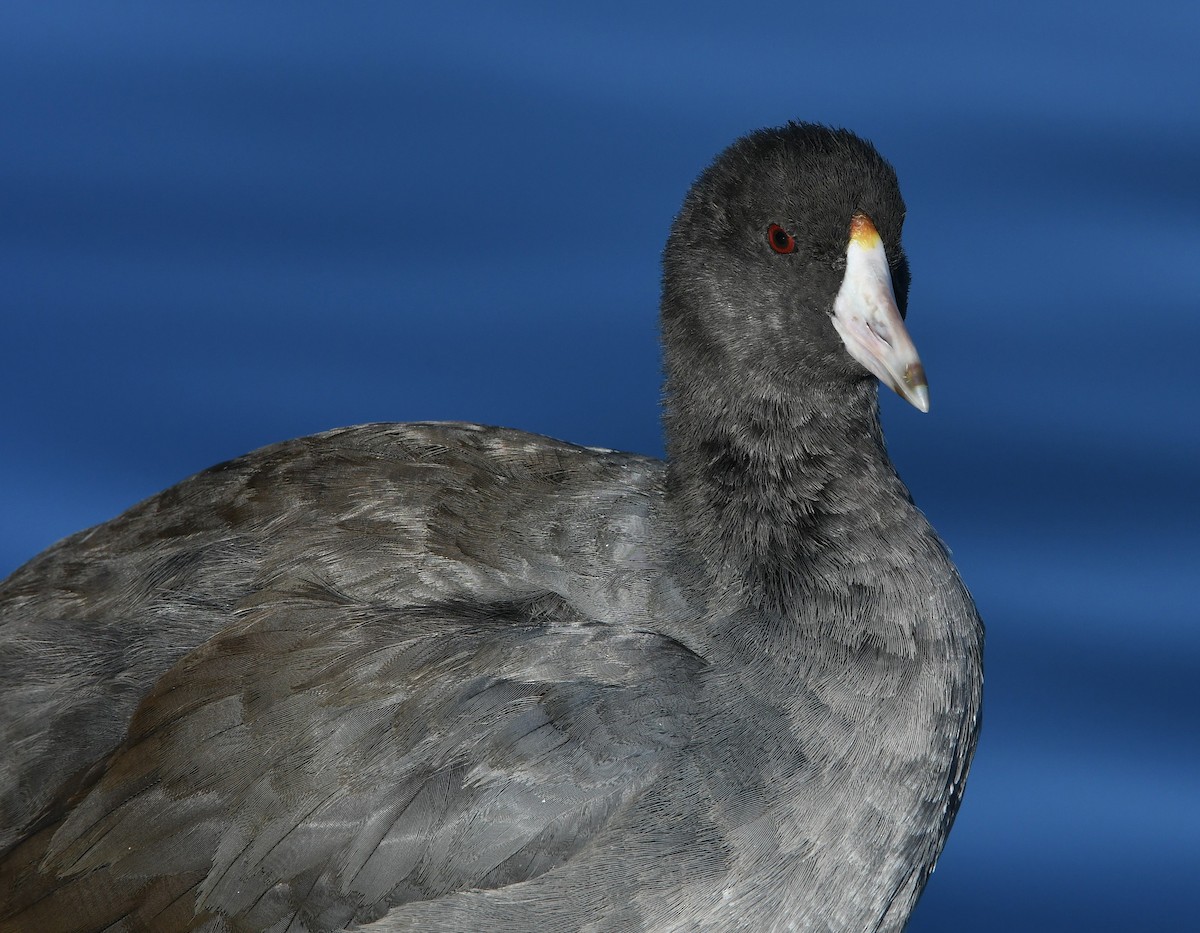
(442, 677)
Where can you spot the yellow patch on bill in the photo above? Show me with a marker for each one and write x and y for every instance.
(863, 232)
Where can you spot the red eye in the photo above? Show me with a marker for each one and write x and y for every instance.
(781, 241)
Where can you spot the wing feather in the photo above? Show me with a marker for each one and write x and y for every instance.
(317, 763)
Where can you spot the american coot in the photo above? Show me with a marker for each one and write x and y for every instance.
(443, 677)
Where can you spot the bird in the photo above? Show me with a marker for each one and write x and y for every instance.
(448, 677)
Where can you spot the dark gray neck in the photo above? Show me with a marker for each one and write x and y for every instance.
(848, 627)
(776, 491)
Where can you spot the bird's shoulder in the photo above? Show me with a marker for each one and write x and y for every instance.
(383, 514)
(402, 520)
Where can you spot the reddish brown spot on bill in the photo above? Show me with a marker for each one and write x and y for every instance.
(863, 232)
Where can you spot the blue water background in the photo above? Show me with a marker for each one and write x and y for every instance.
(224, 224)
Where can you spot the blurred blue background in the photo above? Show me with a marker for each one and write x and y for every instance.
(224, 224)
